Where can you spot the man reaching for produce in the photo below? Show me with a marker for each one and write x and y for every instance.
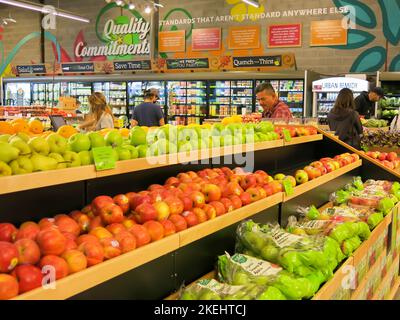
(365, 102)
(269, 101)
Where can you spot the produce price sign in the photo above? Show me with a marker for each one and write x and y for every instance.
(31, 69)
(182, 64)
(287, 185)
(104, 158)
(288, 35)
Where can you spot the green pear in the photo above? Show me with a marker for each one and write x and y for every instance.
(21, 145)
(57, 143)
(8, 152)
(188, 295)
(21, 165)
(133, 150)
(43, 163)
(86, 158)
(5, 137)
(123, 153)
(22, 135)
(240, 278)
(142, 150)
(115, 154)
(209, 295)
(72, 159)
(39, 145)
(96, 140)
(270, 253)
(5, 169)
(60, 160)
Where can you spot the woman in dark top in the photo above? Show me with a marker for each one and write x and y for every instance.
(344, 120)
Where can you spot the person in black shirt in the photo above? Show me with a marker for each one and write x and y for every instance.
(148, 113)
(344, 120)
(365, 102)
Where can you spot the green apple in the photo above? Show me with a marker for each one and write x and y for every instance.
(5, 169)
(72, 159)
(61, 163)
(22, 135)
(96, 140)
(5, 137)
(21, 165)
(57, 143)
(158, 148)
(240, 278)
(133, 150)
(209, 295)
(279, 177)
(86, 158)
(188, 134)
(115, 154)
(184, 146)
(114, 139)
(142, 150)
(123, 153)
(43, 163)
(254, 241)
(172, 147)
(8, 152)
(79, 142)
(21, 145)
(188, 295)
(39, 145)
(226, 140)
(270, 253)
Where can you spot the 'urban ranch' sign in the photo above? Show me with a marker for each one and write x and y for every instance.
(122, 36)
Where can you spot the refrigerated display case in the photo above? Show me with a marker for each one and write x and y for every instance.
(390, 106)
(81, 91)
(17, 94)
(326, 91)
(136, 90)
(39, 93)
(187, 102)
(115, 93)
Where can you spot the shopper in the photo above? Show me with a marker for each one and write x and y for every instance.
(100, 116)
(148, 113)
(269, 101)
(344, 120)
(365, 102)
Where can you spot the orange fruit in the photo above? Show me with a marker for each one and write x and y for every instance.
(124, 132)
(19, 120)
(20, 126)
(6, 128)
(36, 126)
(66, 131)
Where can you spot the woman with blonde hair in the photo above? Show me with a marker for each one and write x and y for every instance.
(100, 116)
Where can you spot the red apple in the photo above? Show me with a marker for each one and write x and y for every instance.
(249, 181)
(155, 230)
(95, 223)
(227, 172)
(101, 233)
(269, 190)
(219, 207)
(211, 192)
(191, 218)
(316, 164)
(146, 212)
(198, 199)
(184, 177)
(254, 194)
(382, 156)
(201, 214)
(388, 164)
(88, 211)
(236, 201)
(8, 256)
(122, 201)
(116, 228)
(8, 232)
(192, 174)
(322, 170)
(28, 251)
(228, 204)
(128, 222)
(187, 202)
(76, 260)
(210, 211)
(233, 188)
(141, 234)
(81, 219)
(311, 172)
(329, 166)
(246, 198)
(87, 238)
(111, 213)
(175, 205)
(47, 223)
(179, 222)
(173, 181)
(67, 224)
(71, 241)
(139, 199)
(162, 209)
(263, 193)
(99, 202)
(127, 241)
(28, 230)
(59, 264)
(111, 248)
(390, 157)
(51, 241)
(8, 287)
(29, 277)
(169, 227)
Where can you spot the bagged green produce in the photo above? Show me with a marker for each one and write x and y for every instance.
(214, 290)
(241, 269)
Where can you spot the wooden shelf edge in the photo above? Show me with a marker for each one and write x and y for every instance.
(386, 278)
(45, 179)
(209, 227)
(304, 139)
(88, 278)
(299, 190)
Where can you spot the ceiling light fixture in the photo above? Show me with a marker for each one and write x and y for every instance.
(39, 8)
(131, 6)
(147, 10)
(252, 3)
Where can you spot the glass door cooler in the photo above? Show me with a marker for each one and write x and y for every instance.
(39, 94)
(115, 93)
(17, 94)
(390, 107)
(81, 91)
(52, 94)
(220, 99)
(242, 95)
(325, 93)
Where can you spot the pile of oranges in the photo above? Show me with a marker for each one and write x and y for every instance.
(31, 127)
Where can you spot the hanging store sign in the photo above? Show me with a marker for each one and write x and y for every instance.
(181, 64)
(287, 35)
(337, 84)
(132, 65)
(81, 67)
(31, 69)
(260, 61)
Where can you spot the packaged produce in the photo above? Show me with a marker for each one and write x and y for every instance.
(241, 269)
(301, 255)
(214, 290)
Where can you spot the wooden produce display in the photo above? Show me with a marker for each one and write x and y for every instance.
(159, 269)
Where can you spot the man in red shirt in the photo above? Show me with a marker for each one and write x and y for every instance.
(269, 101)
